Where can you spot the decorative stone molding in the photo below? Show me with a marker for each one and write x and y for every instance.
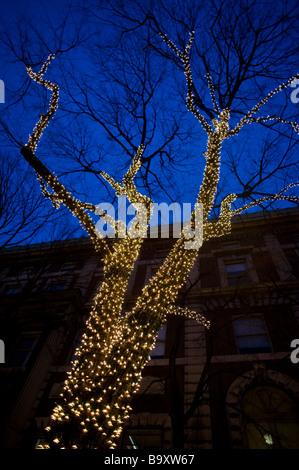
(257, 376)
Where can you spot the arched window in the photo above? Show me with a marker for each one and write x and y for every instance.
(271, 419)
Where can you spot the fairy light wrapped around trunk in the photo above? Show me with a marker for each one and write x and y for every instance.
(115, 346)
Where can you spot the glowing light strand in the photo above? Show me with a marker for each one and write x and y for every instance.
(185, 59)
(115, 347)
(44, 118)
(249, 116)
(212, 92)
(105, 329)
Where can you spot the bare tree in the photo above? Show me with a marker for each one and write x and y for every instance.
(231, 64)
(24, 216)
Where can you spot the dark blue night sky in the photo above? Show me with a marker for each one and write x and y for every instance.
(120, 84)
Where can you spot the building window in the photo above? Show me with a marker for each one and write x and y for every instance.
(152, 385)
(56, 390)
(68, 267)
(76, 344)
(230, 245)
(56, 286)
(23, 350)
(271, 419)
(162, 254)
(158, 351)
(251, 335)
(40, 443)
(12, 290)
(236, 272)
(142, 439)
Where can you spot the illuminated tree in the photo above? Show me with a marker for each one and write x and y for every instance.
(116, 344)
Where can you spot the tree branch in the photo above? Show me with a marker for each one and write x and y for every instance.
(62, 195)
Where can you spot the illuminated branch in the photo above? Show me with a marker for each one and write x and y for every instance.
(274, 118)
(142, 203)
(44, 118)
(128, 186)
(223, 225)
(280, 196)
(185, 59)
(183, 311)
(159, 295)
(211, 87)
(61, 195)
(248, 117)
(116, 186)
(211, 174)
(117, 225)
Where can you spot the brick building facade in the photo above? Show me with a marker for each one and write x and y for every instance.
(230, 387)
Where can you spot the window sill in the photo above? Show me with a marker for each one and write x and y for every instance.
(250, 357)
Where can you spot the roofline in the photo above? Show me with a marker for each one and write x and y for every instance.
(84, 241)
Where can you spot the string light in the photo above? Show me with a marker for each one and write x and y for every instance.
(44, 118)
(115, 345)
(248, 118)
